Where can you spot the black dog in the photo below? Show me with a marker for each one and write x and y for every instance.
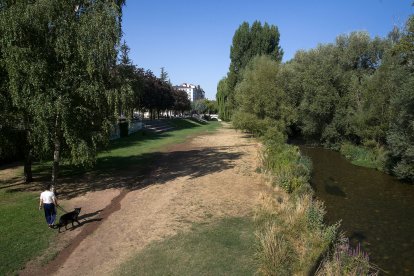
(69, 217)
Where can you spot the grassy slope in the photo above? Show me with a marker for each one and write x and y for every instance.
(138, 144)
(225, 247)
(134, 149)
(23, 231)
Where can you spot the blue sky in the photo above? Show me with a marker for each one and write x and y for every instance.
(191, 39)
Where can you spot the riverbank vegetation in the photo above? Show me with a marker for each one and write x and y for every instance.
(373, 156)
(355, 93)
(273, 100)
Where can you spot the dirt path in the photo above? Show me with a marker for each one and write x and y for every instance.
(209, 177)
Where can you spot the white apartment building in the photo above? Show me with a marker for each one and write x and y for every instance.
(194, 92)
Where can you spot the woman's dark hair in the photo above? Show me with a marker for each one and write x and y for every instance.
(48, 186)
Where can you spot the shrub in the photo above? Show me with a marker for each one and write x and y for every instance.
(250, 123)
(344, 260)
(288, 244)
(367, 156)
(290, 170)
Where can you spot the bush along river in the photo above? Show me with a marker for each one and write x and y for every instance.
(375, 209)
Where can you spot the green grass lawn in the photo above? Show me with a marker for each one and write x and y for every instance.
(225, 247)
(23, 230)
(135, 149)
(132, 149)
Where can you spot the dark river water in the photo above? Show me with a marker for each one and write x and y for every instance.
(376, 209)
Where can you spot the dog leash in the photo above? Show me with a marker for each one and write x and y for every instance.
(62, 209)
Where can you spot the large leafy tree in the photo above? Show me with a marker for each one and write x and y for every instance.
(336, 81)
(181, 102)
(260, 92)
(225, 101)
(211, 106)
(199, 106)
(400, 136)
(58, 56)
(12, 135)
(248, 42)
(125, 84)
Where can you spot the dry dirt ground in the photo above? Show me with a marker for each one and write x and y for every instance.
(206, 178)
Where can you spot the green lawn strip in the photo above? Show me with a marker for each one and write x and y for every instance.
(135, 149)
(23, 231)
(224, 247)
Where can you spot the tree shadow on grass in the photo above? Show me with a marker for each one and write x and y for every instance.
(138, 171)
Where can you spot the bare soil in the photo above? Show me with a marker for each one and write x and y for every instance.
(206, 178)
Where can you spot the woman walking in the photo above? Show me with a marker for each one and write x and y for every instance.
(49, 202)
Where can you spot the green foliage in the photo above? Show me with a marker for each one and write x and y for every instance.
(400, 136)
(58, 59)
(225, 247)
(158, 96)
(124, 81)
(259, 92)
(24, 233)
(225, 100)
(181, 101)
(200, 106)
(248, 42)
(250, 123)
(211, 106)
(370, 157)
(353, 91)
(335, 79)
(290, 170)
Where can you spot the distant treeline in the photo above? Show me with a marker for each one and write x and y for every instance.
(141, 90)
(358, 90)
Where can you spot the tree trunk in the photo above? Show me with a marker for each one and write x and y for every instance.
(28, 176)
(56, 153)
(28, 154)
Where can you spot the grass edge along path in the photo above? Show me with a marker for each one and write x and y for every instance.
(23, 231)
(223, 247)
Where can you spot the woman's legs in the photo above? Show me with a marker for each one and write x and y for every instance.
(50, 213)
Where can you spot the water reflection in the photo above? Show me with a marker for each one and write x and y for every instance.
(376, 210)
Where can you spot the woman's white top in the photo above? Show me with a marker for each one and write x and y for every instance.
(47, 197)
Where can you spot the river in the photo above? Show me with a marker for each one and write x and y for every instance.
(375, 209)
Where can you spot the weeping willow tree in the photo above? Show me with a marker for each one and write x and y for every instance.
(59, 56)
